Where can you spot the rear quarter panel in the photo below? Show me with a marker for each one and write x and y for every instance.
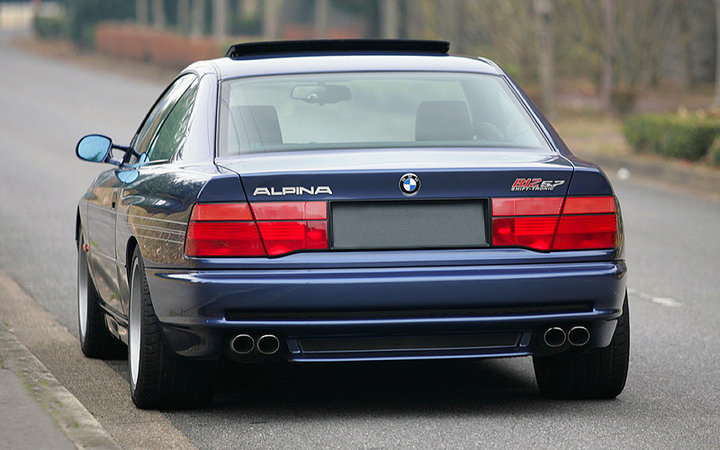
(153, 213)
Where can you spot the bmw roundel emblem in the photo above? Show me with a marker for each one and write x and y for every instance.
(409, 184)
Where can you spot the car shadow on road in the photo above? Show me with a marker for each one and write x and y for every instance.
(428, 387)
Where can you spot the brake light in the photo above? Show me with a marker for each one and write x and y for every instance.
(539, 206)
(290, 210)
(286, 237)
(223, 239)
(589, 205)
(221, 211)
(580, 223)
(532, 232)
(587, 223)
(230, 229)
(223, 229)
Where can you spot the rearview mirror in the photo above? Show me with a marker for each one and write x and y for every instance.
(94, 148)
(321, 93)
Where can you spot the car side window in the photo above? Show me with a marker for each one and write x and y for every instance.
(160, 111)
(174, 128)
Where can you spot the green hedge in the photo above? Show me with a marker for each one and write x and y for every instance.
(86, 14)
(687, 136)
(714, 152)
(50, 27)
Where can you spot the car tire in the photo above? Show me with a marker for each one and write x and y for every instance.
(158, 378)
(597, 373)
(95, 339)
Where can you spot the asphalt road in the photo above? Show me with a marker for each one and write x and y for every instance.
(672, 398)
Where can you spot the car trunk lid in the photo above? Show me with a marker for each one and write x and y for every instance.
(362, 175)
(368, 208)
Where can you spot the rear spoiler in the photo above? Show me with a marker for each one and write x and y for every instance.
(392, 46)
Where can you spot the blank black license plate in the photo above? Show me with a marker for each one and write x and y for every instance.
(402, 225)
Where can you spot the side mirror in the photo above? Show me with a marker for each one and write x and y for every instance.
(94, 148)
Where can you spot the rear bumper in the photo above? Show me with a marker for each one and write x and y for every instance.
(202, 310)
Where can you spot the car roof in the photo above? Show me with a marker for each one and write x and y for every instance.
(324, 62)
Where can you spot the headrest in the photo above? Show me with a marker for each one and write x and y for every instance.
(443, 121)
(259, 123)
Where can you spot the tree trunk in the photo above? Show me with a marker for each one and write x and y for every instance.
(158, 14)
(389, 15)
(220, 9)
(271, 11)
(413, 21)
(716, 103)
(607, 80)
(198, 18)
(543, 20)
(248, 8)
(142, 13)
(686, 35)
(454, 13)
(322, 16)
(183, 16)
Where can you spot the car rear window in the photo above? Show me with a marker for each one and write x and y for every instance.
(372, 110)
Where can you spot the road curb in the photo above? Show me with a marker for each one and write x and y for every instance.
(96, 384)
(76, 422)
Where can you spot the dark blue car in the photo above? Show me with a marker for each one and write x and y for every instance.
(322, 201)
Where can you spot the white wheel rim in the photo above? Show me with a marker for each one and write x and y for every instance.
(82, 292)
(134, 325)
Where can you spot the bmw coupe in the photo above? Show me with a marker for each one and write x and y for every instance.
(349, 200)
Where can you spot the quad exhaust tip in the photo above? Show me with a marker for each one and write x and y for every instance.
(578, 336)
(554, 337)
(242, 344)
(268, 344)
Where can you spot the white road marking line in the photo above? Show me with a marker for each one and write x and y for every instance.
(664, 301)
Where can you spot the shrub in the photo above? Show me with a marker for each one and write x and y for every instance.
(686, 136)
(85, 15)
(144, 44)
(714, 152)
(245, 26)
(50, 27)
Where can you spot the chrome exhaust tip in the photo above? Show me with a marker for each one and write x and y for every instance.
(268, 344)
(554, 337)
(578, 336)
(242, 344)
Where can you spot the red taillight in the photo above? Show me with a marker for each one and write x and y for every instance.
(291, 226)
(589, 205)
(533, 232)
(221, 212)
(229, 229)
(223, 239)
(540, 206)
(290, 210)
(585, 223)
(286, 237)
(586, 232)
